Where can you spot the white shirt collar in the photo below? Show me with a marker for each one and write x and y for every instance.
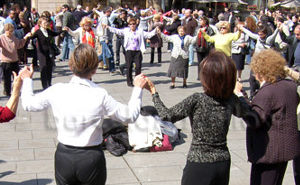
(82, 81)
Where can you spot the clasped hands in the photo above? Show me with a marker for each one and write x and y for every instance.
(143, 81)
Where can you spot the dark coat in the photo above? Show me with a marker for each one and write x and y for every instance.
(209, 45)
(172, 29)
(277, 138)
(156, 41)
(190, 26)
(292, 45)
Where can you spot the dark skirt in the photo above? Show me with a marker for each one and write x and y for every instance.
(179, 67)
(239, 60)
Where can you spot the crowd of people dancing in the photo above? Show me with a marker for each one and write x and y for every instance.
(269, 42)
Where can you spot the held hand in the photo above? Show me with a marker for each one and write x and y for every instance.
(104, 26)
(27, 35)
(238, 87)
(66, 28)
(158, 30)
(150, 86)
(17, 84)
(26, 72)
(140, 81)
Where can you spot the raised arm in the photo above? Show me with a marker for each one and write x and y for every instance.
(148, 35)
(249, 33)
(30, 101)
(116, 31)
(130, 112)
(272, 37)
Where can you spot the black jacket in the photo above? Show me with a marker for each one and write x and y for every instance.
(292, 45)
(172, 29)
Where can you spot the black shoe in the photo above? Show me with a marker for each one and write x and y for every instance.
(184, 86)
(130, 85)
(172, 87)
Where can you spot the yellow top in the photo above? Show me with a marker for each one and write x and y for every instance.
(222, 42)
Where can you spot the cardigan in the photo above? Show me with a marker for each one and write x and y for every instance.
(177, 50)
(223, 41)
(126, 32)
(210, 119)
(277, 139)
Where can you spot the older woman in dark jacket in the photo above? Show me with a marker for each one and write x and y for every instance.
(172, 28)
(156, 41)
(276, 140)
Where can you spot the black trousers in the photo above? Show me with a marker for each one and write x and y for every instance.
(158, 55)
(79, 166)
(216, 173)
(133, 57)
(296, 168)
(200, 57)
(46, 67)
(8, 68)
(267, 174)
(119, 44)
(254, 84)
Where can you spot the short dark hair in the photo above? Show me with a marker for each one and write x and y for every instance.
(218, 75)
(262, 29)
(84, 60)
(66, 6)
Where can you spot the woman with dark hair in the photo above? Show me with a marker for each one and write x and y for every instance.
(238, 51)
(79, 158)
(262, 42)
(179, 57)
(250, 24)
(208, 160)
(203, 47)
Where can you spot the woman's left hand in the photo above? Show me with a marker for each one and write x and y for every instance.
(26, 72)
(238, 87)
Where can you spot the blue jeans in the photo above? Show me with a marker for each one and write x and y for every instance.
(191, 54)
(68, 47)
(108, 54)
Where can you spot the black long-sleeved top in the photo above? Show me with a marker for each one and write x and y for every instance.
(210, 121)
(44, 43)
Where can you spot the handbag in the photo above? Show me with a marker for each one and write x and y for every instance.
(55, 50)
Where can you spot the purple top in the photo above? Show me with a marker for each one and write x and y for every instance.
(133, 41)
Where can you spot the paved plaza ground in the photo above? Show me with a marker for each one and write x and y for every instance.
(27, 144)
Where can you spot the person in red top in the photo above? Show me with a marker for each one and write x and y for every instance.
(8, 112)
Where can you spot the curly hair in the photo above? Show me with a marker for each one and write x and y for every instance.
(223, 24)
(86, 20)
(269, 64)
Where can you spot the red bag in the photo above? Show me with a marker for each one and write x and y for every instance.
(166, 145)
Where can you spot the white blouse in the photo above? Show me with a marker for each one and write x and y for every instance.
(79, 108)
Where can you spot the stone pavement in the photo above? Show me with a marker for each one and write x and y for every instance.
(27, 144)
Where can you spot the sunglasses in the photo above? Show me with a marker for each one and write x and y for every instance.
(132, 24)
(223, 28)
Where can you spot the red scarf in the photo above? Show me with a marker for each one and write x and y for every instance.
(91, 38)
(201, 40)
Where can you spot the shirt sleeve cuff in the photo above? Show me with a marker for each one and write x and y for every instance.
(27, 85)
(137, 93)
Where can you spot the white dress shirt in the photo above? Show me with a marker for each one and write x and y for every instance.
(79, 108)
